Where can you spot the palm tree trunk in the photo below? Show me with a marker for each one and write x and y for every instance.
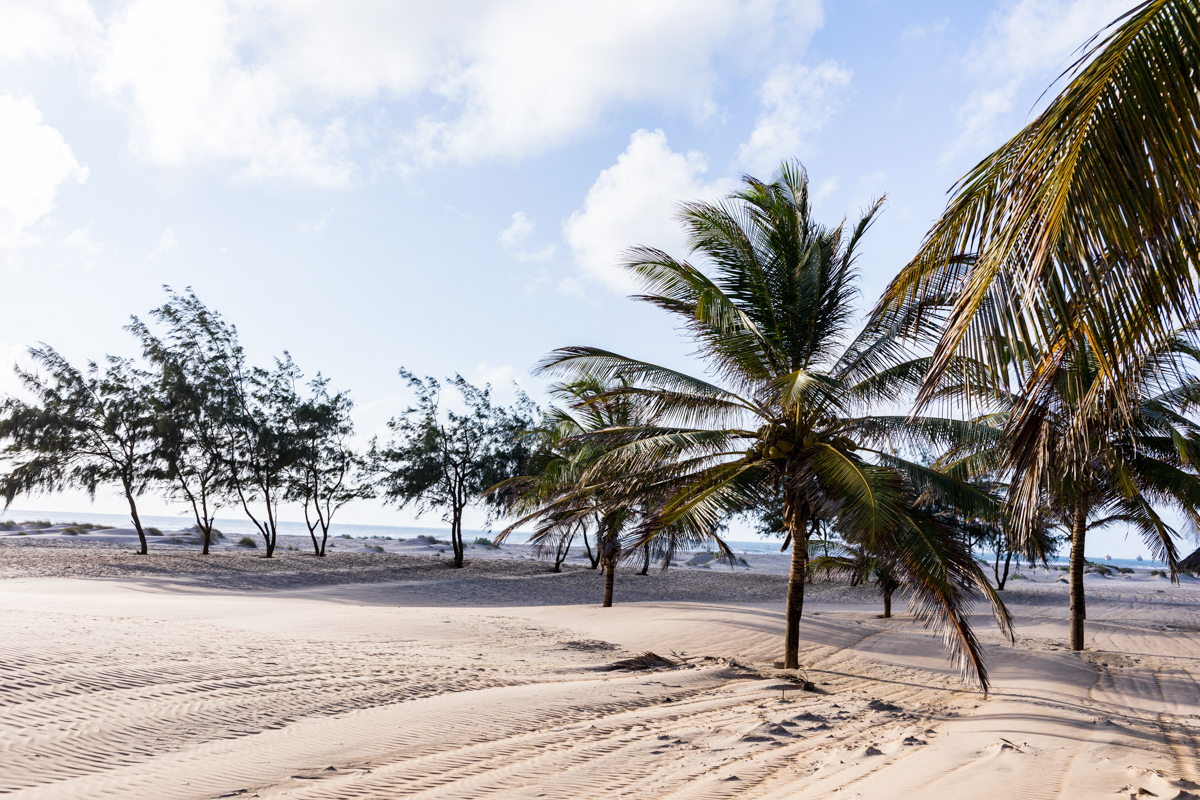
(795, 518)
(1078, 610)
(610, 569)
(887, 604)
(646, 561)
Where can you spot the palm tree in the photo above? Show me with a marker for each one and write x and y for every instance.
(561, 495)
(848, 561)
(1091, 473)
(1081, 228)
(774, 322)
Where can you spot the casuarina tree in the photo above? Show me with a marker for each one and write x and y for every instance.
(190, 406)
(327, 472)
(442, 459)
(81, 429)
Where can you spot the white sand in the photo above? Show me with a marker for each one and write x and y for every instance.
(172, 676)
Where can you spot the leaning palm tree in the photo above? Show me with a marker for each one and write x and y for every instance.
(1082, 227)
(1093, 474)
(791, 413)
(562, 495)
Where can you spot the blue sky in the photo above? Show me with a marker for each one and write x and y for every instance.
(446, 186)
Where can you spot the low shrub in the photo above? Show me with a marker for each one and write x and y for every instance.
(347, 536)
(37, 523)
(74, 530)
(1125, 570)
(7, 525)
(483, 541)
(374, 548)
(154, 531)
(1016, 576)
(246, 541)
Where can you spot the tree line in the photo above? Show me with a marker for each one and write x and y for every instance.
(193, 421)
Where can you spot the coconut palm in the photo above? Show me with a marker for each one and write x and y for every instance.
(859, 567)
(1093, 474)
(773, 323)
(1081, 228)
(562, 495)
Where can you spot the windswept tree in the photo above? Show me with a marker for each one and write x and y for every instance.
(240, 423)
(190, 407)
(441, 459)
(772, 311)
(327, 473)
(81, 429)
(261, 448)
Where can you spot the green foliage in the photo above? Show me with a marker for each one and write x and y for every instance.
(327, 472)
(82, 429)
(154, 532)
(246, 541)
(1080, 225)
(440, 459)
(786, 417)
(192, 360)
(483, 541)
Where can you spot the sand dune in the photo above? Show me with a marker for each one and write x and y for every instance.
(436, 684)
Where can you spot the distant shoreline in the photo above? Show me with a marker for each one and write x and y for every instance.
(244, 527)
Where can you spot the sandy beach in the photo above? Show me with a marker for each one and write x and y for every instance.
(369, 674)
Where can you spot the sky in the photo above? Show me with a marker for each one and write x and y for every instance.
(448, 186)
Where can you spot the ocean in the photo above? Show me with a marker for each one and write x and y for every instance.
(244, 526)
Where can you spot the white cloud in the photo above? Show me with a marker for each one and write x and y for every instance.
(80, 242)
(917, 34)
(167, 243)
(197, 93)
(824, 190)
(798, 100)
(634, 202)
(288, 90)
(867, 189)
(513, 239)
(45, 29)
(319, 225)
(34, 162)
(1026, 46)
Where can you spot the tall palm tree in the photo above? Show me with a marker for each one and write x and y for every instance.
(1092, 474)
(774, 323)
(1081, 228)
